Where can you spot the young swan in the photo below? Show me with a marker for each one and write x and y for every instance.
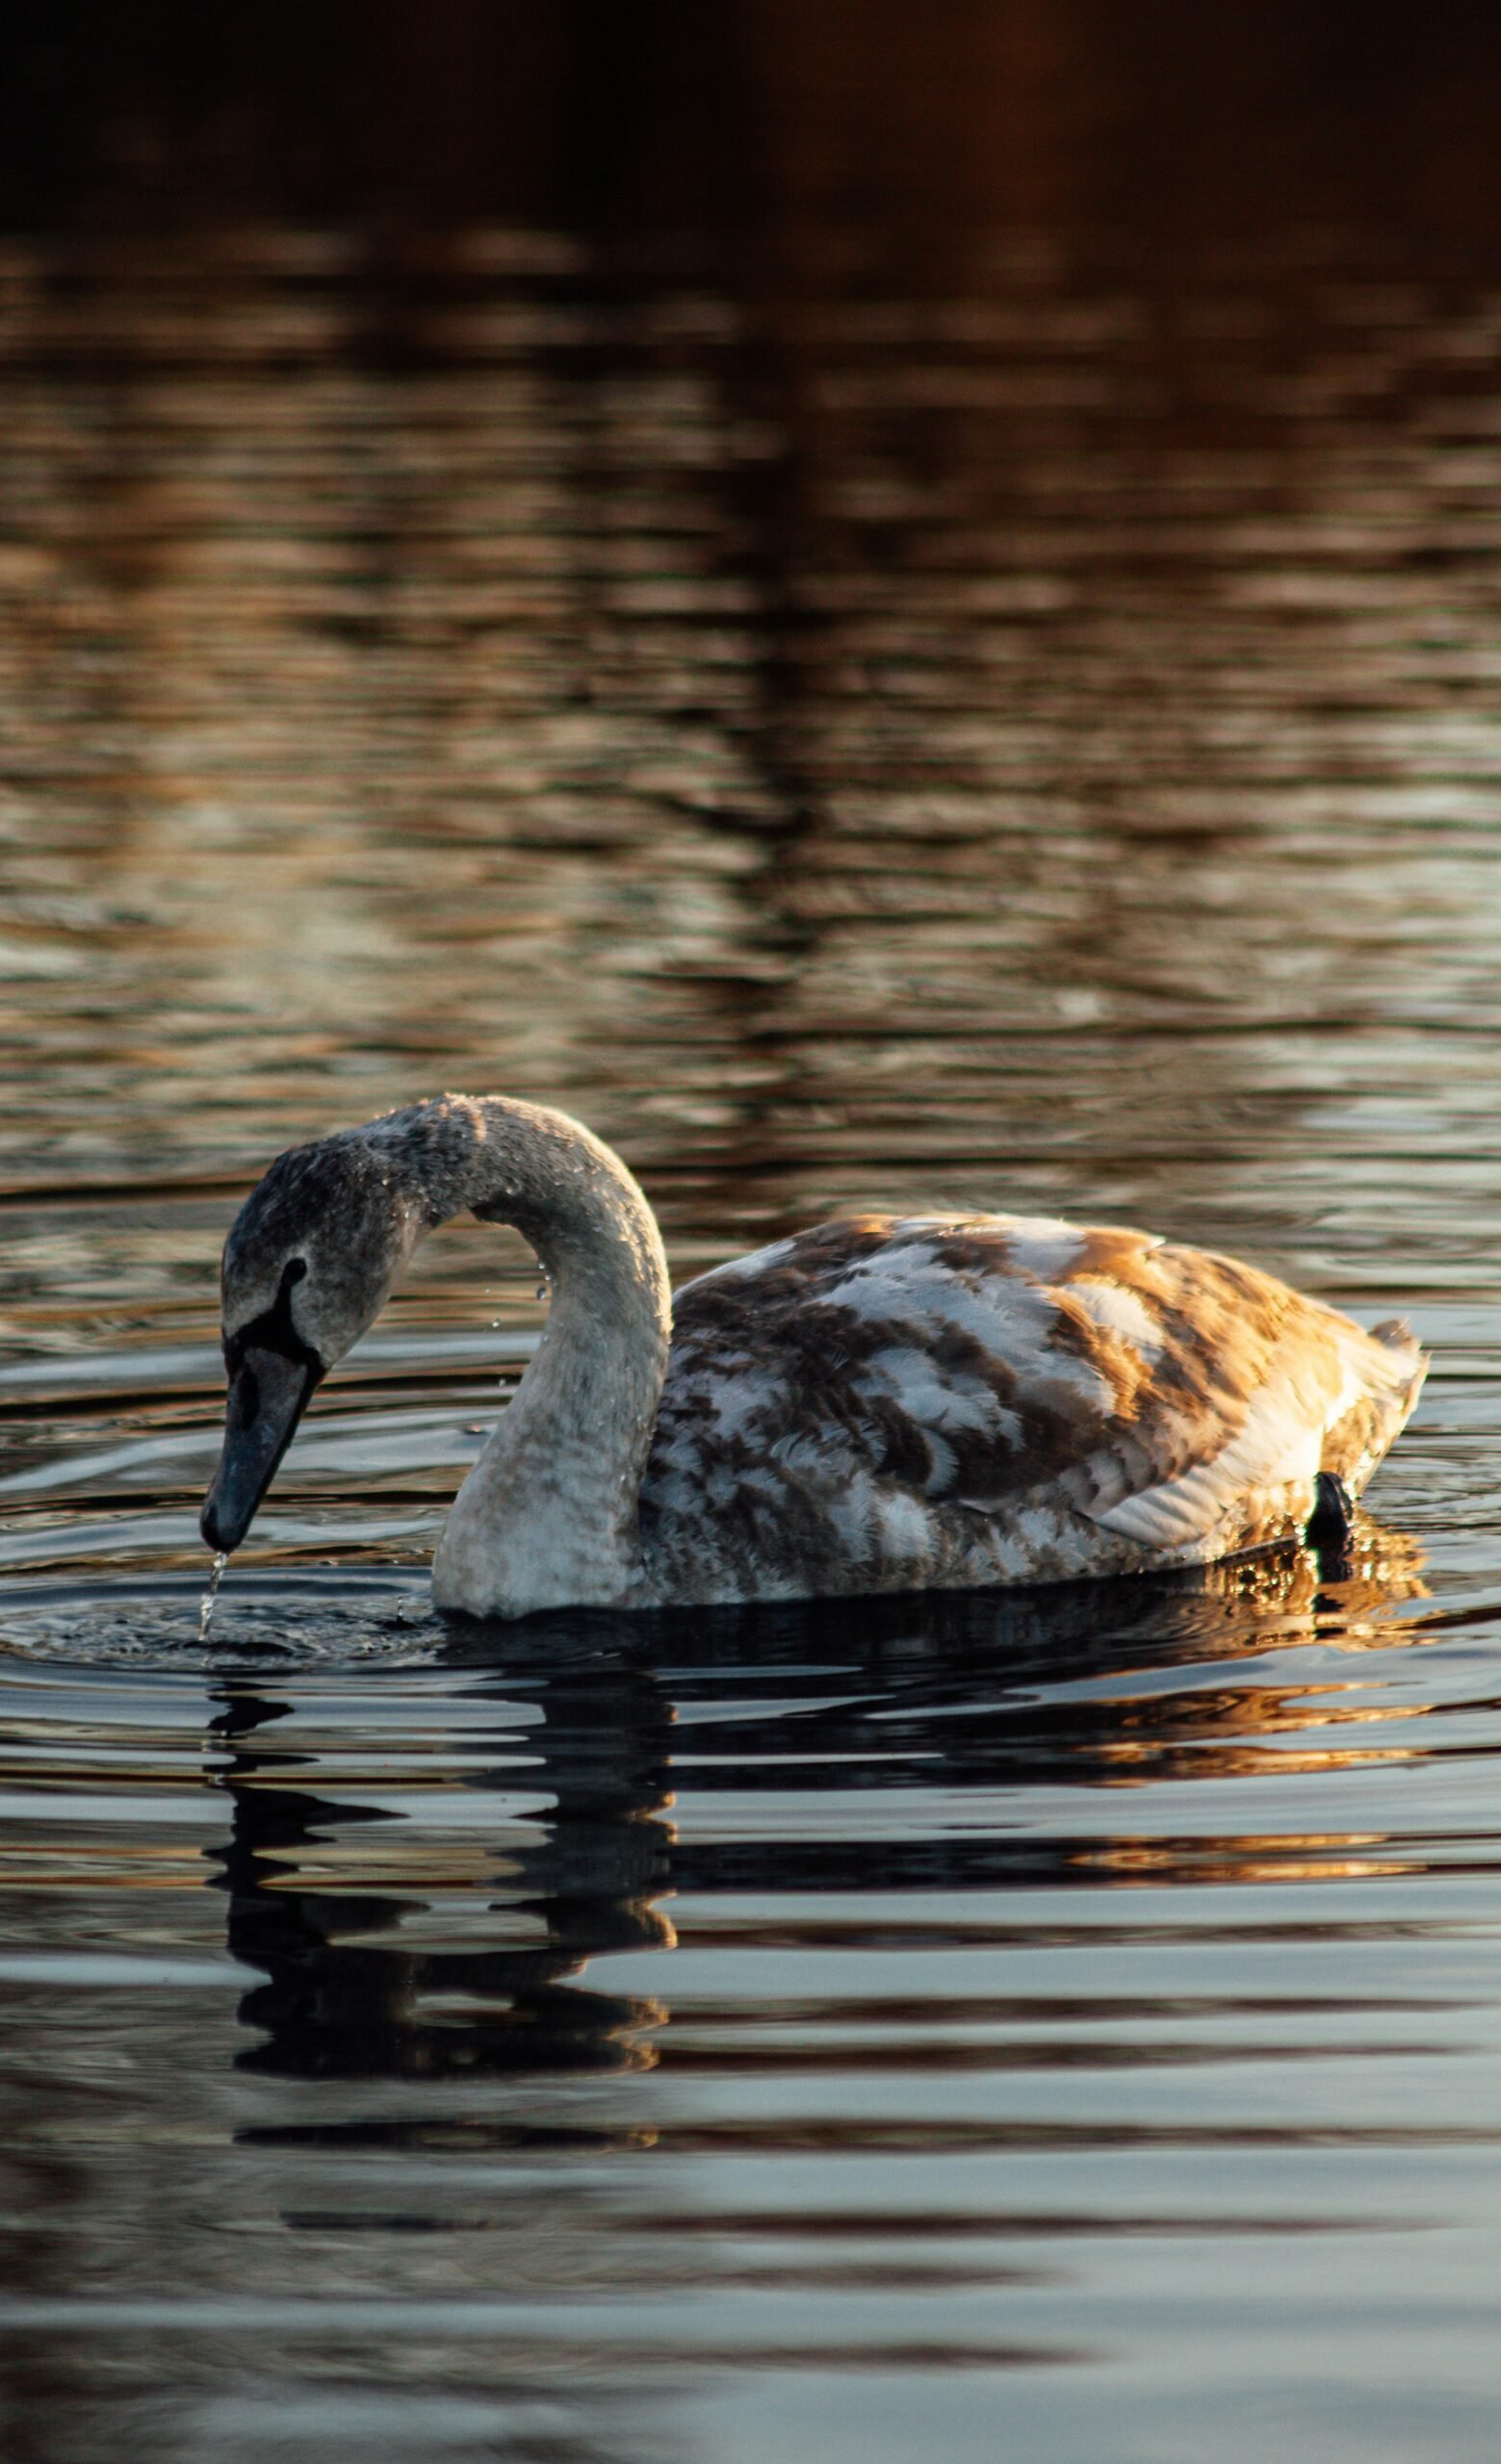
(874, 1405)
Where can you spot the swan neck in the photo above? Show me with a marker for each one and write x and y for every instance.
(549, 1515)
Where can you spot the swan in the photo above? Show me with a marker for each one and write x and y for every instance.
(877, 1404)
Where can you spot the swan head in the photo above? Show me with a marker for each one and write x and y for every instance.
(309, 1261)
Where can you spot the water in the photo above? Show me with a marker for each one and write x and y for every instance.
(1016, 728)
(206, 1603)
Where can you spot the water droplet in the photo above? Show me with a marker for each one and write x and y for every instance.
(544, 1290)
(206, 1605)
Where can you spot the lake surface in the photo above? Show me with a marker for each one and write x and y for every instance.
(1024, 736)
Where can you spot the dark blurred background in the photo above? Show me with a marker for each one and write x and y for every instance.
(728, 125)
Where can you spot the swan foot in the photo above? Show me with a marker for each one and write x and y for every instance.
(1330, 1528)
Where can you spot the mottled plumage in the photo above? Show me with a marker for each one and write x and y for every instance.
(879, 1404)
(873, 1405)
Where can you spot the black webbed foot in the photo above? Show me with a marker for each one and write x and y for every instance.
(1331, 1526)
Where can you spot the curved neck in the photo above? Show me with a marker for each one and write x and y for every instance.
(548, 1517)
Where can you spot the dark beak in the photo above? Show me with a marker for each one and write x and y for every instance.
(267, 1396)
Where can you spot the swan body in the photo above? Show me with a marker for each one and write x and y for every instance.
(877, 1404)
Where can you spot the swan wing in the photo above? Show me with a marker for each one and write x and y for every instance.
(906, 1387)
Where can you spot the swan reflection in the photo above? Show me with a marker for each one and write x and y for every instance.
(455, 1952)
(428, 1905)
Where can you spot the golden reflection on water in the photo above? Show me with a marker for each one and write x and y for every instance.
(442, 1868)
(1036, 736)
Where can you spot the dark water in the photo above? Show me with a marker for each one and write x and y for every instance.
(1022, 735)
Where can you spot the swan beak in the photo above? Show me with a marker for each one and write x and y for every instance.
(267, 1396)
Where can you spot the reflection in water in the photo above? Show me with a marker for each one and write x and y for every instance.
(724, 1990)
(352, 1994)
(461, 1952)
